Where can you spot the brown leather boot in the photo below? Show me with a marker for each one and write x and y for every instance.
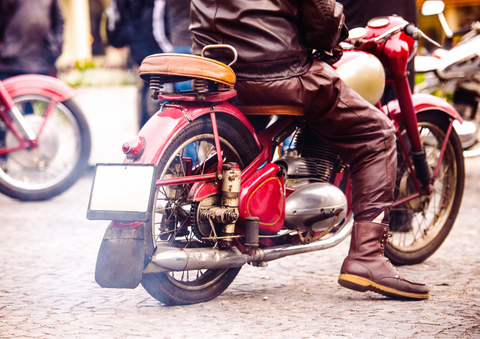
(367, 269)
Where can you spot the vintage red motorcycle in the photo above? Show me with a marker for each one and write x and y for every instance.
(44, 137)
(199, 194)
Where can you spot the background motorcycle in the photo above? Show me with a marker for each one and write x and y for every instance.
(44, 137)
(454, 74)
(184, 225)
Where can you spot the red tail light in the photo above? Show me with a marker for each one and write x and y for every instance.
(133, 149)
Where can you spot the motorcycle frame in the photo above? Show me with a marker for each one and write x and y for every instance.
(157, 135)
(47, 86)
(266, 138)
(172, 118)
(400, 114)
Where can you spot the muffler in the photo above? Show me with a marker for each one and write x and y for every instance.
(184, 259)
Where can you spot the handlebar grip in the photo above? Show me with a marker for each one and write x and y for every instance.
(413, 31)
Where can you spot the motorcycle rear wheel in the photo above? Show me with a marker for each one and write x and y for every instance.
(171, 223)
(420, 226)
(60, 158)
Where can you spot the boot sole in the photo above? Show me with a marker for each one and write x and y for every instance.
(360, 284)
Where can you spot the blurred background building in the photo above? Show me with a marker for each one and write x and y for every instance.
(84, 20)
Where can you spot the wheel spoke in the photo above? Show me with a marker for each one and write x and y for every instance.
(174, 223)
(428, 216)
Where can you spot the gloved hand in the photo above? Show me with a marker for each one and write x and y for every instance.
(329, 57)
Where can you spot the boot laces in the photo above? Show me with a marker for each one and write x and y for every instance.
(382, 245)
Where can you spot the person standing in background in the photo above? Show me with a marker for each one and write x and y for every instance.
(177, 22)
(31, 37)
(139, 24)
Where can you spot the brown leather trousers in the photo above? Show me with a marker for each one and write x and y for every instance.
(362, 135)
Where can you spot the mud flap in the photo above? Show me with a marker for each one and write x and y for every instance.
(120, 259)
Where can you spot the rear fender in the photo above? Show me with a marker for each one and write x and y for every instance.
(120, 259)
(421, 103)
(166, 124)
(47, 86)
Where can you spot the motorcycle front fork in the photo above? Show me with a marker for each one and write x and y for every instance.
(422, 170)
(421, 174)
(8, 106)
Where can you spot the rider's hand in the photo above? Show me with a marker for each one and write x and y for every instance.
(329, 57)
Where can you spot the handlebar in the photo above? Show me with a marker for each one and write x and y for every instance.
(413, 31)
(409, 29)
(388, 34)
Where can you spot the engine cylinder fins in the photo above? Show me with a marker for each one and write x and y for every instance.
(310, 145)
(308, 168)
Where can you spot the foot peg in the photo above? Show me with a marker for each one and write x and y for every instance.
(308, 222)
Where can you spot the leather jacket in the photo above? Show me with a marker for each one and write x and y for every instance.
(270, 36)
(265, 34)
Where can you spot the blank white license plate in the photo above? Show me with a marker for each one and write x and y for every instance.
(122, 192)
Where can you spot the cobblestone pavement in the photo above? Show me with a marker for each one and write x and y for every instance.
(47, 290)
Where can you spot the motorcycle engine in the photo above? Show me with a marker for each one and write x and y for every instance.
(310, 166)
(309, 159)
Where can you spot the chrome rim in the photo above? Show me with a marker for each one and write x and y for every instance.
(58, 150)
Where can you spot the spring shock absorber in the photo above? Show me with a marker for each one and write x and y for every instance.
(156, 84)
(200, 85)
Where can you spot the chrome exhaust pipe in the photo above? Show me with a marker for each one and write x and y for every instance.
(185, 259)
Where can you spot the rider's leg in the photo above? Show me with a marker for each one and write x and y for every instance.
(365, 139)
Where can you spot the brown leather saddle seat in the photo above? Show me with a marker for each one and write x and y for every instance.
(172, 67)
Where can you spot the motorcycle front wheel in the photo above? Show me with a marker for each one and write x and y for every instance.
(418, 227)
(58, 160)
(173, 221)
